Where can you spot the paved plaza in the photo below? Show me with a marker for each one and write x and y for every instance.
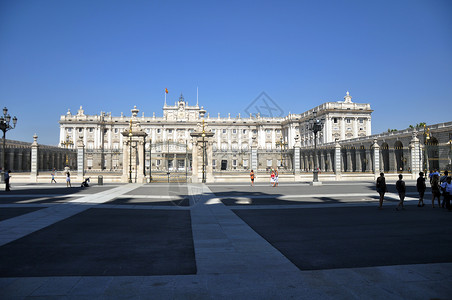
(221, 241)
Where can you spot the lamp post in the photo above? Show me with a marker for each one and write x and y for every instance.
(150, 160)
(426, 140)
(130, 152)
(315, 125)
(5, 126)
(203, 134)
(66, 143)
(282, 145)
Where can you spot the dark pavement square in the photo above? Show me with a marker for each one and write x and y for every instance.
(329, 238)
(12, 212)
(105, 242)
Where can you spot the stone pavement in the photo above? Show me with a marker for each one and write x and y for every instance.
(194, 241)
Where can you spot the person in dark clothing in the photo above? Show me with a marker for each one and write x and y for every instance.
(421, 187)
(381, 188)
(436, 193)
(442, 180)
(401, 189)
(7, 177)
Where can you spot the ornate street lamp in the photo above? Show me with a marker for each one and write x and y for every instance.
(426, 135)
(150, 159)
(315, 125)
(66, 143)
(5, 126)
(282, 145)
(203, 134)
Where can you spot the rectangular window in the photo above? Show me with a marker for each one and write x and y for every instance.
(89, 162)
(224, 130)
(244, 131)
(157, 162)
(269, 162)
(234, 130)
(80, 130)
(335, 120)
(361, 121)
(116, 130)
(348, 120)
(245, 163)
(159, 130)
(91, 130)
(234, 162)
(278, 163)
(170, 131)
(69, 130)
(214, 163)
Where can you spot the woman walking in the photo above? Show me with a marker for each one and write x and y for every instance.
(420, 185)
(68, 179)
(252, 177)
(436, 193)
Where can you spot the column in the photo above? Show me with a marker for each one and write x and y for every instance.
(337, 160)
(19, 160)
(322, 161)
(358, 166)
(349, 160)
(125, 161)
(376, 161)
(296, 156)
(254, 165)
(80, 159)
(34, 159)
(194, 155)
(328, 161)
(416, 155)
(368, 160)
(209, 167)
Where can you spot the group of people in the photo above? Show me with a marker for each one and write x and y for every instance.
(274, 177)
(440, 185)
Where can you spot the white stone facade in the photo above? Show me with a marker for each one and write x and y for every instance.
(343, 120)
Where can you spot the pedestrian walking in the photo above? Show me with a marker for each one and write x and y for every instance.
(447, 188)
(53, 176)
(436, 192)
(442, 180)
(252, 176)
(401, 189)
(381, 188)
(68, 179)
(420, 185)
(272, 178)
(7, 178)
(435, 172)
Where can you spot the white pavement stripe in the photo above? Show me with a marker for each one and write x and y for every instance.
(225, 244)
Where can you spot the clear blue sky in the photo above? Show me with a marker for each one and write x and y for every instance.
(111, 55)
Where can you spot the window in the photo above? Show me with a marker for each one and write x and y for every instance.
(170, 131)
(234, 162)
(69, 130)
(269, 162)
(80, 130)
(159, 130)
(213, 130)
(234, 130)
(91, 130)
(214, 163)
(278, 163)
(244, 131)
(348, 120)
(254, 131)
(89, 162)
(335, 120)
(278, 130)
(268, 131)
(245, 163)
(157, 162)
(116, 130)
(361, 121)
(224, 130)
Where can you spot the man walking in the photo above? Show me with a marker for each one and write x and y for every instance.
(421, 187)
(401, 189)
(7, 177)
(381, 188)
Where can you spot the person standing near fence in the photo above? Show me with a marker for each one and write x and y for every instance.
(68, 179)
(442, 180)
(381, 188)
(420, 185)
(252, 176)
(401, 189)
(447, 188)
(53, 176)
(436, 193)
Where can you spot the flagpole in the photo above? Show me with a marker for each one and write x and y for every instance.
(165, 96)
(197, 96)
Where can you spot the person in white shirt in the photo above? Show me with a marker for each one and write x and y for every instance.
(447, 189)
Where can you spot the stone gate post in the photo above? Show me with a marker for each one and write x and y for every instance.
(80, 159)
(376, 163)
(34, 159)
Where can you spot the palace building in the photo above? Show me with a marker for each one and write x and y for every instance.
(168, 140)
